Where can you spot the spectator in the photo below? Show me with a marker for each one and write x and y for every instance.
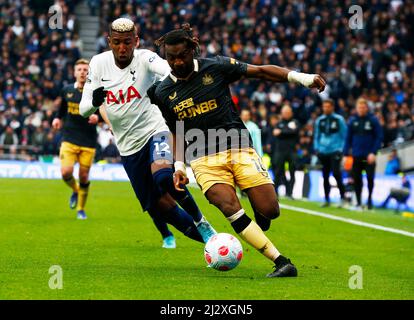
(329, 142)
(254, 131)
(93, 6)
(394, 75)
(401, 194)
(33, 59)
(286, 135)
(364, 138)
(9, 137)
(393, 163)
(111, 153)
(376, 62)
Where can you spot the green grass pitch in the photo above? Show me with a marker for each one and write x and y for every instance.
(117, 254)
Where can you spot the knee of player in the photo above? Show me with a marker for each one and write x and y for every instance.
(226, 206)
(83, 177)
(164, 204)
(67, 175)
(163, 178)
(272, 211)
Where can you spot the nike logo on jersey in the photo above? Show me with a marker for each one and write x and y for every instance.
(105, 80)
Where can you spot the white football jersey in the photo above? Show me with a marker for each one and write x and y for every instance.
(133, 118)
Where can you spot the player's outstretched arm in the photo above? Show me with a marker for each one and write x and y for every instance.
(278, 74)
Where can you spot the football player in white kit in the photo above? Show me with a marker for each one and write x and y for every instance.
(118, 80)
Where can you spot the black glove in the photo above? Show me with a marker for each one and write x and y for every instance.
(98, 96)
(151, 92)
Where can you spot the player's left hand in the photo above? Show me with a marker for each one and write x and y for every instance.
(180, 179)
(318, 83)
(93, 119)
(57, 124)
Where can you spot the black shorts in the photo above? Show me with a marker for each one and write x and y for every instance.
(138, 168)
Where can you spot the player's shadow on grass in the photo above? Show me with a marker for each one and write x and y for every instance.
(228, 276)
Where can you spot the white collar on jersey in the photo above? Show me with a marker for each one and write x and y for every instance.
(174, 78)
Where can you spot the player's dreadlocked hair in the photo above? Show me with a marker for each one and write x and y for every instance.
(183, 35)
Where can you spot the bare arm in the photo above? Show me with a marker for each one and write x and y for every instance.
(278, 74)
(57, 121)
(267, 72)
(104, 116)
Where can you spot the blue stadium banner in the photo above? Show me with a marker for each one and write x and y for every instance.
(41, 170)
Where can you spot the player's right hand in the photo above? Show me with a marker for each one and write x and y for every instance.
(56, 124)
(318, 83)
(180, 178)
(98, 96)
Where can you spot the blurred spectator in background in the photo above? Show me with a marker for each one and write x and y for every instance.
(33, 67)
(393, 163)
(400, 195)
(286, 136)
(9, 137)
(363, 140)
(254, 131)
(376, 62)
(93, 6)
(111, 153)
(329, 142)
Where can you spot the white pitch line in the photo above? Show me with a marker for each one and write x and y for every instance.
(351, 221)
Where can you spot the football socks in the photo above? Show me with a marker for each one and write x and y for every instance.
(250, 232)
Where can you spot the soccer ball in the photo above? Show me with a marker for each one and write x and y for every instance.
(223, 252)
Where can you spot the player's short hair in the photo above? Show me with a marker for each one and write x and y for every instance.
(177, 36)
(362, 100)
(286, 106)
(330, 101)
(274, 116)
(81, 61)
(122, 25)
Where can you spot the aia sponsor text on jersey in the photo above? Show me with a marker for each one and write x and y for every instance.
(121, 97)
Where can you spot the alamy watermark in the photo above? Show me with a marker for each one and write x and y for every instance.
(356, 22)
(56, 280)
(357, 278)
(55, 17)
(229, 146)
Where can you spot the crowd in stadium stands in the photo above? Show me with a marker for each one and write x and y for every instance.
(376, 62)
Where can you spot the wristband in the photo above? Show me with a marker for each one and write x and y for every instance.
(180, 166)
(305, 79)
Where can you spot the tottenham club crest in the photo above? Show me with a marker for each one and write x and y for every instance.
(133, 74)
(207, 79)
